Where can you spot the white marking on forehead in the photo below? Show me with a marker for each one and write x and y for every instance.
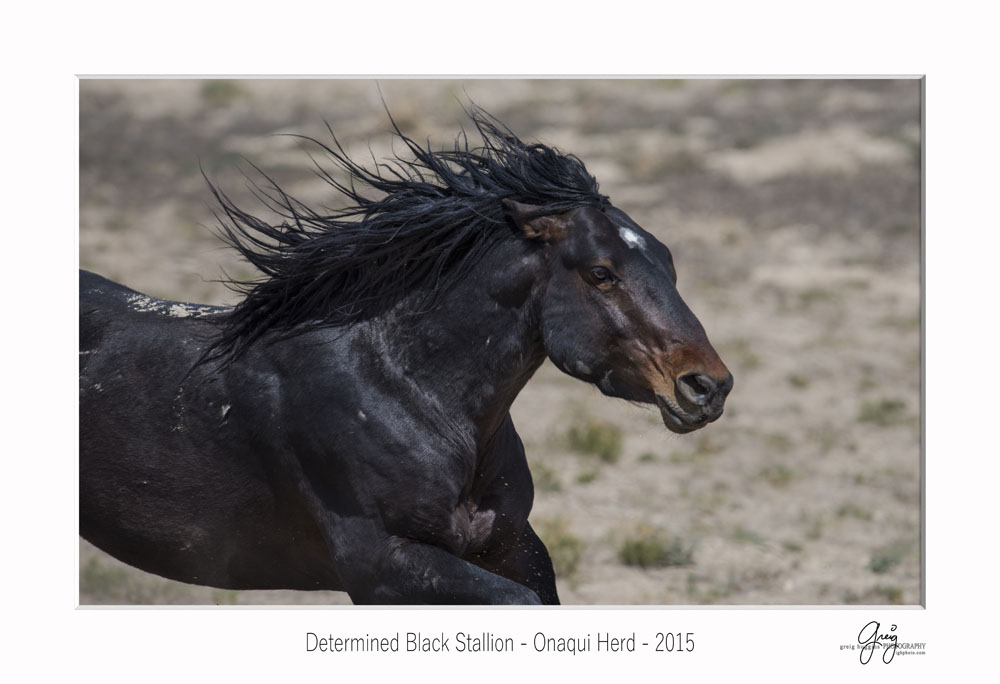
(632, 238)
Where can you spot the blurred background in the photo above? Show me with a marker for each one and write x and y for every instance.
(792, 208)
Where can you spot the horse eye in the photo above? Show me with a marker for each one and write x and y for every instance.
(601, 274)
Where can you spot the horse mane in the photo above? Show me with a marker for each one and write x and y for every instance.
(436, 215)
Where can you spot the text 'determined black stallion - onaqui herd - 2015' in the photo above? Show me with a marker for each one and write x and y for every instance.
(346, 425)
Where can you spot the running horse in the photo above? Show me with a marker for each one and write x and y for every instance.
(347, 424)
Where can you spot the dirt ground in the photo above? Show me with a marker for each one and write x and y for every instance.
(793, 212)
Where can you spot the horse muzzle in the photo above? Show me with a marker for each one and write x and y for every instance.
(699, 400)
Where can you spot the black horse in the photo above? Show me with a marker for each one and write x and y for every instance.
(346, 426)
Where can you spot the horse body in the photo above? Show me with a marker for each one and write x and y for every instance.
(178, 464)
(375, 455)
(274, 474)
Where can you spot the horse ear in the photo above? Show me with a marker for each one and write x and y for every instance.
(547, 228)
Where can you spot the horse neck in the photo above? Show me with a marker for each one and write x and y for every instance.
(478, 348)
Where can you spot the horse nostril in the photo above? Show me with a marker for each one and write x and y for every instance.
(697, 388)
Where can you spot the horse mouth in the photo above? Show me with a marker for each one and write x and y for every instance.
(680, 421)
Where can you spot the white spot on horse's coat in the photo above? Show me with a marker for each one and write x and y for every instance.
(97, 387)
(180, 311)
(225, 410)
(142, 303)
(185, 310)
(583, 368)
(488, 340)
(178, 406)
(632, 238)
(362, 416)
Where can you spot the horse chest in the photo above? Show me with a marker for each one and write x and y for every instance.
(463, 528)
(471, 528)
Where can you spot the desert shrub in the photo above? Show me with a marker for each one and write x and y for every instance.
(883, 412)
(652, 548)
(596, 437)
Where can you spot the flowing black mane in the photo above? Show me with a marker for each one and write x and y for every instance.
(439, 212)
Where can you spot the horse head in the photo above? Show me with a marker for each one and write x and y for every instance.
(610, 314)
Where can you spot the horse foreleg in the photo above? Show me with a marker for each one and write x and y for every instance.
(406, 572)
(527, 563)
